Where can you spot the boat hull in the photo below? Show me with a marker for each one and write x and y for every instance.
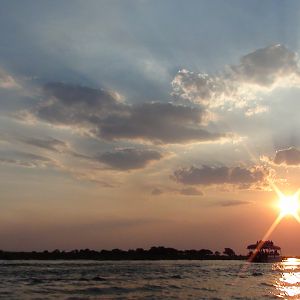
(264, 259)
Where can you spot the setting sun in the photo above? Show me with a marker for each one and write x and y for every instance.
(289, 205)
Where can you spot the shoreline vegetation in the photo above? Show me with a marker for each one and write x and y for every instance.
(154, 253)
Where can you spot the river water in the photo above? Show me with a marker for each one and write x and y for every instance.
(149, 280)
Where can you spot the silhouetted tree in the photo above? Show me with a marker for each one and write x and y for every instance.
(229, 252)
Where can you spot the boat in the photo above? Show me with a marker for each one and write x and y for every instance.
(264, 251)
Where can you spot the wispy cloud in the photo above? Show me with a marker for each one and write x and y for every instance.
(228, 203)
(28, 160)
(7, 81)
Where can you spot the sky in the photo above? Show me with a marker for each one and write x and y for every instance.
(127, 124)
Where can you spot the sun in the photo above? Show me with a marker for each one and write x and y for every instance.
(289, 205)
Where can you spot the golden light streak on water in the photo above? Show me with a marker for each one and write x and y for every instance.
(288, 284)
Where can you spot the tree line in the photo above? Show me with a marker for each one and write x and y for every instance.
(154, 253)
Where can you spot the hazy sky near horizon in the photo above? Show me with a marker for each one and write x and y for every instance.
(128, 124)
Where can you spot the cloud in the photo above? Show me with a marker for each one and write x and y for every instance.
(90, 175)
(30, 160)
(157, 191)
(129, 158)
(158, 122)
(103, 115)
(198, 88)
(191, 191)
(27, 160)
(7, 81)
(288, 157)
(65, 104)
(55, 145)
(260, 71)
(227, 203)
(48, 144)
(266, 66)
(207, 175)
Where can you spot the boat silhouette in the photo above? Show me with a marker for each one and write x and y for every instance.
(264, 251)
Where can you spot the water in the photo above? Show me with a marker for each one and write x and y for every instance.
(149, 280)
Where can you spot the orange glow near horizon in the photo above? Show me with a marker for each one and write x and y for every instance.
(288, 205)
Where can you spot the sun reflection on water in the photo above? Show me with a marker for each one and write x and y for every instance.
(288, 284)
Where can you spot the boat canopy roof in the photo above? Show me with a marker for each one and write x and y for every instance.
(264, 245)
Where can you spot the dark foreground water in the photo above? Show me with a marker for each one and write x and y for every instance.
(149, 280)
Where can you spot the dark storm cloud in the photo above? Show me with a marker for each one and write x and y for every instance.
(289, 157)
(104, 116)
(206, 175)
(128, 159)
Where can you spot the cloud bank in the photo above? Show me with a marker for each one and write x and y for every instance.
(207, 175)
(102, 115)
